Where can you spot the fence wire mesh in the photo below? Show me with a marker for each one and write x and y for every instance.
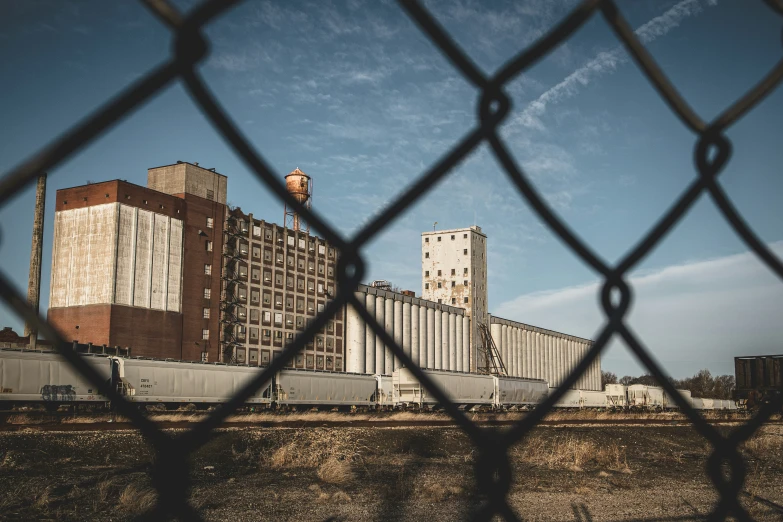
(170, 474)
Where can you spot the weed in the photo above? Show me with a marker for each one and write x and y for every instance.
(137, 498)
(335, 471)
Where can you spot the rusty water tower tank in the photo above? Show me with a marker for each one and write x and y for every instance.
(300, 185)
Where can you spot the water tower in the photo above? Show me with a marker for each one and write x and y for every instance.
(300, 185)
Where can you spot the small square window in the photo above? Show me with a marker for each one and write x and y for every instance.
(464, 299)
(464, 236)
(439, 272)
(205, 334)
(440, 301)
(453, 271)
(426, 286)
(465, 282)
(207, 269)
(207, 293)
(426, 273)
(464, 271)
(452, 237)
(426, 255)
(465, 251)
(453, 284)
(438, 238)
(439, 285)
(210, 194)
(210, 222)
(453, 300)
(426, 240)
(206, 313)
(209, 246)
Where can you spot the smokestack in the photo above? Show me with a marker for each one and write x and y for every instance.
(36, 253)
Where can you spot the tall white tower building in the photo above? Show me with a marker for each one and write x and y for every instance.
(454, 272)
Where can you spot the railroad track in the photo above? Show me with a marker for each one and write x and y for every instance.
(83, 422)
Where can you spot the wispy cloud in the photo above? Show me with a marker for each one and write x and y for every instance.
(685, 313)
(605, 62)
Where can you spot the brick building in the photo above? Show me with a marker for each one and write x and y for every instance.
(276, 280)
(172, 272)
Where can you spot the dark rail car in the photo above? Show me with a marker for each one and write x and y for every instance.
(759, 379)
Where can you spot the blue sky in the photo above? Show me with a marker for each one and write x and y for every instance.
(353, 94)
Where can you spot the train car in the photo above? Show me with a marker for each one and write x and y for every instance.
(384, 392)
(641, 396)
(570, 399)
(593, 399)
(324, 388)
(463, 389)
(759, 379)
(581, 399)
(175, 382)
(700, 403)
(616, 397)
(518, 391)
(45, 377)
(671, 404)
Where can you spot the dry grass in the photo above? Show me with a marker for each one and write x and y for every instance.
(106, 487)
(42, 501)
(188, 415)
(438, 489)
(8, 460)
(566, 451)
(313, 447)
(335, 471)
(137, 498)
(768, 441)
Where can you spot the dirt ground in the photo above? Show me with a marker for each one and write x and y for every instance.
(569, 473)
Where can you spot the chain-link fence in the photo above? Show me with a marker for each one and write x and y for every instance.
(170, 474)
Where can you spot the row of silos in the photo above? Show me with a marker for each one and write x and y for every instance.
(433, 335)
(536, 353)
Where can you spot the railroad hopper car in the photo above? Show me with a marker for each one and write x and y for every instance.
(384, 391)
(464, 389)
(582, 399)
(34, 377)
(176, 382)
(671, 404)
(759, 379)
(641, 396)
(302, 387)
(616, 397)
(517, 391)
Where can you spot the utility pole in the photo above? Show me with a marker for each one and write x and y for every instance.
(36, 253)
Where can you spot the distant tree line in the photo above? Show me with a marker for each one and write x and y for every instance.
(702, 385)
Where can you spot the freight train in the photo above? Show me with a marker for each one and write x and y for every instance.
(40, 378)
(759, 379)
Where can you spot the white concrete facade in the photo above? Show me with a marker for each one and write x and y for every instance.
(116, 254)
(454, 272)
